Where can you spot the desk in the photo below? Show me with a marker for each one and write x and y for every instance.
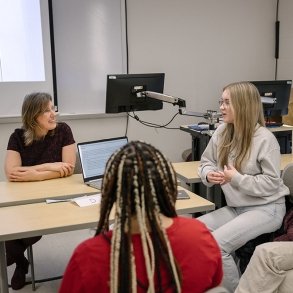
(272, 129)
(16, 193)
(285, 160)
(187, 171)
(200, 139)
(281, 128)
(28, 220)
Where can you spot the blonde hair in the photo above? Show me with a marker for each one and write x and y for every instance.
(248, 112)
(141, 183)
(33, 105)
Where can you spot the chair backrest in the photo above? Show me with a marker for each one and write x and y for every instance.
(287, 176)
(77, 169)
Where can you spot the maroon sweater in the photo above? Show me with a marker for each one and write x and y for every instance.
(47, 150)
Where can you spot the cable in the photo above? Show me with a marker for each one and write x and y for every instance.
(53, 55)
(277, 39)
(277, 10)
(127, 57)
(154, 125)
(126, 38)
(127, 122)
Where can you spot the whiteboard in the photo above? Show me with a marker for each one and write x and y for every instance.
(25, 53)
(90, 42)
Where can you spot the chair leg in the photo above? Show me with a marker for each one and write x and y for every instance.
(31, 261)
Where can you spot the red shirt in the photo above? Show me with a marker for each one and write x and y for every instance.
(193, 246)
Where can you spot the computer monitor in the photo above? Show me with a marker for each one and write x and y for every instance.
(125, 92)
(275, 96)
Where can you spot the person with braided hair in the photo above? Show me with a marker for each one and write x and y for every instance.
(150, 248)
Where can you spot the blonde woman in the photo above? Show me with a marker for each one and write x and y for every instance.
(244, 158)
(150, 249)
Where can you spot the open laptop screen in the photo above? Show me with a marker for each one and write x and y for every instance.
(95, 154)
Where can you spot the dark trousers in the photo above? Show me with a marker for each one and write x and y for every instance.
(15, 249)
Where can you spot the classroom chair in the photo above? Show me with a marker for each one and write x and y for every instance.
(287, 176)
(77, 169)
(30, 257)
(245, 252)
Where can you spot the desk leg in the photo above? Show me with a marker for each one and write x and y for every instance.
(209, 195)
(3, 269)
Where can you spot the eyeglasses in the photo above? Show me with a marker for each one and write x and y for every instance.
(225, 103)
(49, 109)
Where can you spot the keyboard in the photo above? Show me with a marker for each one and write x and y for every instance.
(96, 184)
(274, 124)
(199, 127)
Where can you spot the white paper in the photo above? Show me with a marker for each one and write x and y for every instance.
(85, 201)
(82, 201)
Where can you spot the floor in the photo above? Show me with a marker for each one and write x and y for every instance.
(47, 287)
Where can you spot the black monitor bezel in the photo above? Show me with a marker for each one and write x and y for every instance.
(120, 96)
(279, 89)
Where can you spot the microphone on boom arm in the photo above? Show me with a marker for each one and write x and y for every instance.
(210, 115)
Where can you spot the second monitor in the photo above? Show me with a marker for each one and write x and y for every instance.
(275, 96)
(125, 92)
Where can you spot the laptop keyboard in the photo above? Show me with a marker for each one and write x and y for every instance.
(96, 184)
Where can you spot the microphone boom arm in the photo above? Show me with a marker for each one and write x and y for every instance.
(166, 98)
(211, 115)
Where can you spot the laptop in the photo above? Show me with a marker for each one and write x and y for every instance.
(93, 157)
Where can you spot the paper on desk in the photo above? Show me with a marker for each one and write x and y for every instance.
(81, 201)
(85, 201)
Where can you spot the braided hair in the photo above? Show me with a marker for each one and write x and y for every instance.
(141, 183)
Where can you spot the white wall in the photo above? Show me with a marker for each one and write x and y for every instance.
(285, 63)
(201, 45)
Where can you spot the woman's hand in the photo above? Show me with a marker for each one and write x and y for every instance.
(222, 177)
(36, 173)
(229, 172)
(65, 169)
(215, 177)
(20, 174)
(16, 172)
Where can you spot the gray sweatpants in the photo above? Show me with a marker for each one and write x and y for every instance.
(233, 227)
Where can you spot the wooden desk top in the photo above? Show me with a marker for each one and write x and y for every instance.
(285, 160)
(281, 128)
(195, 204)
(187, 171)
(20, 193)
(16, 193)
(35, 219)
